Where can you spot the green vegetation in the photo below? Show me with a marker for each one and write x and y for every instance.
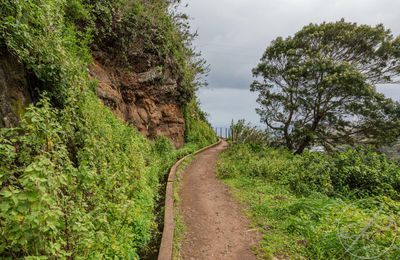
(246, 133)
(179, 225)
(132, 30)
(318, 88)
(76, 182)
(316, 205)
(198, 130)
(317, 91)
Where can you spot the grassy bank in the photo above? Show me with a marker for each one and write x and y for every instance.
(316, 206)
(76, 182)
(179, 225)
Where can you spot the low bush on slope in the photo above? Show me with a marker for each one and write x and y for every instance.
(339, 206)
(76, 182)
(198, 130)
(360, 172)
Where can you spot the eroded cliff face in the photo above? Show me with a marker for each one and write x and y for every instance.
(15, 90)
(143, 97)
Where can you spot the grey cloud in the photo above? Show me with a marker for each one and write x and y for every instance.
(225, 105)
(235, 33)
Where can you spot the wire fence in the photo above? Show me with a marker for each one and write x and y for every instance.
(242, 134)
(224, 132)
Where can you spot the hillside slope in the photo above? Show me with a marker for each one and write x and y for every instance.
(76, 180)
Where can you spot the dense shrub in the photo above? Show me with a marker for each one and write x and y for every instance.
(75, 181)
(243, 132)
(39, 35)
(153, 30)
(311, 172)
(364, 172)
(198, 130)
(317, 206)
(360, 172)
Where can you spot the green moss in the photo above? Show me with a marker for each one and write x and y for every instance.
(17, 107)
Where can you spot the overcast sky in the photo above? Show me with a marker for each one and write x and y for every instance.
(233, 35)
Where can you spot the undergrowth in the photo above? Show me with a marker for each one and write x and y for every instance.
(76, 182)
(179, 224)
(198, 130)
(317, 206)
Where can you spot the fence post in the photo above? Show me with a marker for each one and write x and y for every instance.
(225, 132)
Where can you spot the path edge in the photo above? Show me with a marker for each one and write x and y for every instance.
(167, 239)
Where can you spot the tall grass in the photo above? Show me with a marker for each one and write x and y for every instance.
(304, 211)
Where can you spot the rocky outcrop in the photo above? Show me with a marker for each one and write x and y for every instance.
(145, 99)
(15, 91)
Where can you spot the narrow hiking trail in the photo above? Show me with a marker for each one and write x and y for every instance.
(216, 227)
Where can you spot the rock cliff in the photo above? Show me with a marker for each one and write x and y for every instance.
(144, 99)
(15, 90)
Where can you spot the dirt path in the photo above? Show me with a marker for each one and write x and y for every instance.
(215, 225)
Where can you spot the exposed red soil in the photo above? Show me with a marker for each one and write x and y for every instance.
(216, 227)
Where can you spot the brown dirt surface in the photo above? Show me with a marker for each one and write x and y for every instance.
(216, 227)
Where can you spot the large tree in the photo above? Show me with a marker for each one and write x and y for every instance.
(319, 86)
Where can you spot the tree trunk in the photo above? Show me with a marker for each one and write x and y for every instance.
(303, 145)
(307, 140)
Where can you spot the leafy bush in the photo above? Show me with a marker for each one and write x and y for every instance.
(198, 131)
(365, 172)
(153, 30)
(358, 172)
(311, 172)
(39, 35)
(246, 133)
(286, 197)
(76, 182)
(95, 201)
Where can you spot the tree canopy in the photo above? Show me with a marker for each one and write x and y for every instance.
(319, 86)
